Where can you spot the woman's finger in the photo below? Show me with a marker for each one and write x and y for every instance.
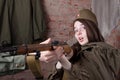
(46, 41)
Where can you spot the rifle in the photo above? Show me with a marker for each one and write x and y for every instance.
(33, 61)
(23, 49)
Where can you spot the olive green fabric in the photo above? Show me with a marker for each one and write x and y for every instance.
(97, 61)
(12, 64)
(21, 21)
(94, 61)
(87, 14)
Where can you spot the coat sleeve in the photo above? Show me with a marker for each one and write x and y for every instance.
(11, 64)
(113, 56)
(76, 73)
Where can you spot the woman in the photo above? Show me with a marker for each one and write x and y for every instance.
(92, 58)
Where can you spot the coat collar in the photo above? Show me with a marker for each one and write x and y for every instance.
(90, 45)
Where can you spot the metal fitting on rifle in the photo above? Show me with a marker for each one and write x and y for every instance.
(37, 56)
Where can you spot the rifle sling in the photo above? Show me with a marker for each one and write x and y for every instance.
(34, 66)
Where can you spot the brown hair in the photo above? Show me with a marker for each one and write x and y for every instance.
(93, 32)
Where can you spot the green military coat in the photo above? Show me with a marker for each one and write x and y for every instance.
(95, 61)
(21, 21)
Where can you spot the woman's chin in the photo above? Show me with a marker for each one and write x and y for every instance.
(82, 43)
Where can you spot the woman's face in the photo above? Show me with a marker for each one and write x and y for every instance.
(80, 33)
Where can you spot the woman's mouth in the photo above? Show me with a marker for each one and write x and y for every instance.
(81, 39)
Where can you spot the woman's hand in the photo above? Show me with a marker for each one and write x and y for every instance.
(48, 56)
(48, 41)
(53, 55)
